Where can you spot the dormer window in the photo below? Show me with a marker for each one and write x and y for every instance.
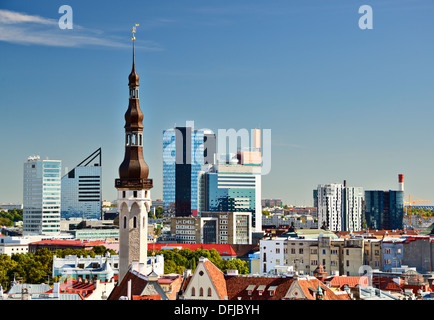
(261, 289)
(272, 290)
(250, 288)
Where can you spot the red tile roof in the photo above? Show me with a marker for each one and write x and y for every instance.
(341, 281)
(137, 285)
(217, 277)
(237, 287)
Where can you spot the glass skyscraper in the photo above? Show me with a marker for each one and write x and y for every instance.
(81, 189)
(41, 197)
(232, 188)
(183, 157)
(384, 210)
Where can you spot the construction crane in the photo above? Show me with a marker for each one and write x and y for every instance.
(410, 202)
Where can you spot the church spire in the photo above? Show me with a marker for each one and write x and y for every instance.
(133, 186)
(133, 171)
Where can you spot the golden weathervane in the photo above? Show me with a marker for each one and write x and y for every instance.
(134, 31)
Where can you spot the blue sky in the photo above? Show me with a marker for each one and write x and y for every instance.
(341, 102)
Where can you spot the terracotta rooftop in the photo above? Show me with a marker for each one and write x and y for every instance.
(218, 278)
(138, 282)
(246, 287)
(341, 281)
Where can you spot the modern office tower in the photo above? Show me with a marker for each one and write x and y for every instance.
(81, 189)
(185, 150)
(339, 207)
(133, 187)
(232, 188)
(384, 209)
(41, 197)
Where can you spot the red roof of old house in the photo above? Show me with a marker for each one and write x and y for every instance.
(310, 284)
(218, 278)
(257, 288)
(137, 285)
(341, 281)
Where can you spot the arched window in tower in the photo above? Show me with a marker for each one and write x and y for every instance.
(201, 292)
(125, 222)
(209, 292)
(134, 93)
(193, 292)
(140, 139)
(135, 222)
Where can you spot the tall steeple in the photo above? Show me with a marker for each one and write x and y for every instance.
(134, 195)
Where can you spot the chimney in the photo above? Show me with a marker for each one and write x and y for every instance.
(401, 182)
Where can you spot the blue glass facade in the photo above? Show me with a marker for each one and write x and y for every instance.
(183, 156)
(231, 192)
(384, 209)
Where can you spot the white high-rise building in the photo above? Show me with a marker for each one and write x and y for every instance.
(41, 196)
(340, 207)
(352, 208)
(330, 206)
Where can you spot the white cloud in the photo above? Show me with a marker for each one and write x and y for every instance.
(25, 29)
(11, 17)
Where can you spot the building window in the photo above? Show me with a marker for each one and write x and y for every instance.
(125, 222)
(201, 292)
(135, 222)
(209, 292)
(123, 194)
(135, 194)
(193, 291)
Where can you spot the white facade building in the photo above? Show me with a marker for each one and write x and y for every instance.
(352, 212)
(340, 207)
(272, 254)
(41, 196)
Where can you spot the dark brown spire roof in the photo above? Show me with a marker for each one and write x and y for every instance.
(133, 78)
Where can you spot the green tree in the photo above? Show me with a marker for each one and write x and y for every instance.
(7, 267)
(159, 212)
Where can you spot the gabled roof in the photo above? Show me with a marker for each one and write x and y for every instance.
(309, 287)
(138, 282)
(217, 277)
